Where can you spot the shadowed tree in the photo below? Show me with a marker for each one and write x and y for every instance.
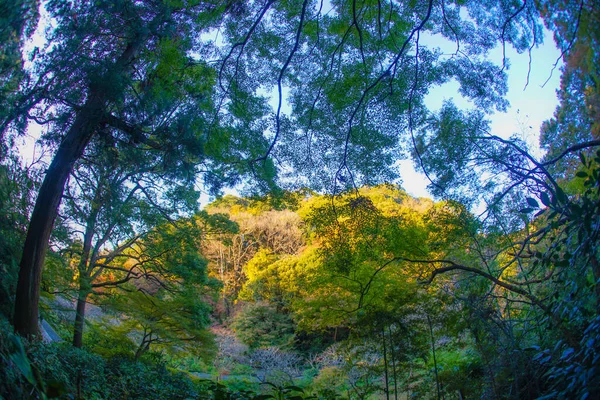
(116, 197)
(124, 72)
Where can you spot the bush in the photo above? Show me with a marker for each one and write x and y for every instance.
(78, 371)
(261, 325)
(60, 370)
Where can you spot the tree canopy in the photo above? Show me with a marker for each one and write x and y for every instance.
(306, 108)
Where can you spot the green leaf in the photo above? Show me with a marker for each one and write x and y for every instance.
(545, 199)
(581, 174)
(19, 358)
(526, 210)
(295, 388)
(561, 196)
(532, 202)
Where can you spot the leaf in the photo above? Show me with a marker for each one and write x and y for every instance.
(581, 174)
(21, 361)
(567, 353)
(295, 388)
(561, 196)
(545, 199)
(532, 202)
(526, 210)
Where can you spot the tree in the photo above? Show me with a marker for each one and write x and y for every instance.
(532, 256)
(577, 117)
(17, 185)
(18, 21)
(116, 198)
(263, 227)
(158, 287)
(118, 69)
(123, 72)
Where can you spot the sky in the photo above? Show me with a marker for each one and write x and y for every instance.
(530, 104)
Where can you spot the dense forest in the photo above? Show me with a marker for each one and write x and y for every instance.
(321, 278)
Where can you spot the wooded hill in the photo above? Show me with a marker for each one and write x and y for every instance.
(366, 295)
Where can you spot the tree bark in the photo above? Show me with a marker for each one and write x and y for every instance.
(80, 318)
(45, 212)
(85, 267)
(392, 353)
(144, 345)
(435, 366)
(385, 365)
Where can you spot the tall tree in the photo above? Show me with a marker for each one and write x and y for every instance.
(577, 117)
(18, 21)
(116, 197)
(125, 72)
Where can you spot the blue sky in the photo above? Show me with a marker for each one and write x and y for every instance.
(529, 107)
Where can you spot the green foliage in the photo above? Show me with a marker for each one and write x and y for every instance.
(460, 370)
(18, 20)
(136, 84)
(16, 190)
(262, 324)
(576, 118)
(329, 383)
(59, 370)
(572, 362)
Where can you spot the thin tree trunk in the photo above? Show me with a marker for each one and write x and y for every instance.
(385, 365)
(393, 363)
(85, 267)
(596, 272)
(437, 380)
(144, 345)
(408, 380)
(80, 318)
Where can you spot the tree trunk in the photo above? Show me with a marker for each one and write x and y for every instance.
(45, 212)
(80, 318)
(392, 353)
(144, 345)
(385, 365)
(435, 367)
(596, 272)
(85, 267)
